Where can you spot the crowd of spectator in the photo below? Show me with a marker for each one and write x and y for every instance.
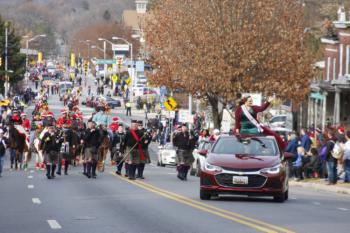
(320, 154)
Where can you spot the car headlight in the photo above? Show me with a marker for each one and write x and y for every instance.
(212, 168)
(272, 170)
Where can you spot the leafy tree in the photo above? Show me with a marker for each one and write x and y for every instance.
(16, 60)
(216, 49)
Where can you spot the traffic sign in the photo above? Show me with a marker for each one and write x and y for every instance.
(170, 104)
(128, 81)
(114, 78)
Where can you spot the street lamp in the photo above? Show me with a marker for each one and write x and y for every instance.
(27, 46)
(87, 42)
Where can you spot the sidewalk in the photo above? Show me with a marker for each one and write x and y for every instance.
(321, 185)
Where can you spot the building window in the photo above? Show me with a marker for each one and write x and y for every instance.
(328, 68)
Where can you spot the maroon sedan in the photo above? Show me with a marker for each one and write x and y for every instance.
(251, 166)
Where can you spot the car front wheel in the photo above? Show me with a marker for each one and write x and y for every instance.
(281, 197)
(204, 195)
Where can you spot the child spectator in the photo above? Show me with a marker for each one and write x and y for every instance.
(312, 164)
(298, 164)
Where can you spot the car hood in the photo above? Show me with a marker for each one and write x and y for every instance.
(237, 161)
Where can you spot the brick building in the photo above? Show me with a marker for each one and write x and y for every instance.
(329, 101)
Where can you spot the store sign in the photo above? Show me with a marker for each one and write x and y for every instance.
(120, 47)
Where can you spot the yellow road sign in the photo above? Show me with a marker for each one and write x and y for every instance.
(170, 104)
(128, 81)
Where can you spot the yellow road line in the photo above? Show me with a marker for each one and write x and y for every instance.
(206, 208)
(219, 209)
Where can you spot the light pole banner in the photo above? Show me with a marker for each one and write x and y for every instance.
(72, 60)
(40, 57)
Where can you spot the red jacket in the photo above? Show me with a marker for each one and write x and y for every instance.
(26, 124)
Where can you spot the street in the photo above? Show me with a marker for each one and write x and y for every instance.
(161, 203)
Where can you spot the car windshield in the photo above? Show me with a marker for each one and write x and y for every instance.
(246, 146)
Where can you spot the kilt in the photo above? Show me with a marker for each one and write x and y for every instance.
(91, 153)
(51, 157)
(147, 157)
(184, 157)
(133, 157)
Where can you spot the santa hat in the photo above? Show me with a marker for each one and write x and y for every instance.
(115, 119)
(23, 114)
(63, 111)
(341, 130)
(50, 114)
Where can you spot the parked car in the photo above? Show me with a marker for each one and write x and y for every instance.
(113, 103)
(167, 155)
(199, 159)
(282, 121)
(252, 166)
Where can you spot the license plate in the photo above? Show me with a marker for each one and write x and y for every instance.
(240, 179)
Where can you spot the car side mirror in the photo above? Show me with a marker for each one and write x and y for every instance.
(203, 152)
(288, 156)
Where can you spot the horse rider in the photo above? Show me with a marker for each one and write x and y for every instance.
(135, 154)
(147, 139)
(118, 149)
(185, 143)
(51, 143)
(91, 142)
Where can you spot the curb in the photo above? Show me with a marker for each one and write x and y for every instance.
(321, 187)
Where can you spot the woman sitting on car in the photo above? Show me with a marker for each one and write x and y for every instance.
(247, 122)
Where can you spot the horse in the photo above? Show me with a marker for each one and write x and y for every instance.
(19, 146)
(103, 149)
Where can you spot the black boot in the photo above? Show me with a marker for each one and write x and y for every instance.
(88, 169)
(180, 172)
(132, 171)
(53, 169)
(185, 172)
(48, 170)
(140, 169)
(66, 164)
(119, 168)
(85, 169)
(94, 166)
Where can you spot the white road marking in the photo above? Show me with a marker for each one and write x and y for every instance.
(343, 209)
(316, 203)
(294, 198)
(30, 186)
(36, 201)
(30, 177)
(54, 224)
(31, 171)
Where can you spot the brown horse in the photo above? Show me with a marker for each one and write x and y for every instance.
(103, 150)
(20, 147)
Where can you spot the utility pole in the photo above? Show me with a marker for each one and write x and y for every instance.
(7, 85)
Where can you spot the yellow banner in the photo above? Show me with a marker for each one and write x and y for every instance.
(72, 60)
(40, 57)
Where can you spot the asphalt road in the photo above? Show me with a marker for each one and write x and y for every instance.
(30, 203)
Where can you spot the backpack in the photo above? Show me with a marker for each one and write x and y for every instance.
(322, 154)
(338, 150)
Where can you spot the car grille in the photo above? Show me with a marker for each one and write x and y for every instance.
(241, 170)
(254, 181)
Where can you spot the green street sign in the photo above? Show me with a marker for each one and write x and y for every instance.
(317, 96)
